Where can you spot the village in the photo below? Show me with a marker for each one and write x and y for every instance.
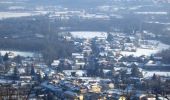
(105, 66)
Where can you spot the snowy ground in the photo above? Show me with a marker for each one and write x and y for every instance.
(6, 2)
(88, 35)
(24, 54)
(5, 81)
(13, 15)
(156, 22)
(4, 15)
(151, 73)
(152, 13)
(147, 52)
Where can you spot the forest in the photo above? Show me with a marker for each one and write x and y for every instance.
(20, 34)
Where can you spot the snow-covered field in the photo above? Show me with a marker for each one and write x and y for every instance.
(6, 2)
(13, 15)
(151, 73)
(147, 52)
(152, 13)
(24, 54)
(4, 15)
(157, 22)
(16, 7)
(88, 35)
(3, 81)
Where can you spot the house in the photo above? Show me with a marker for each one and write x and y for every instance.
(76, 54)
(95, 88)
(107, 84)
(107, 72)
(26, 78)
(122, 97)
(87, 50)
(24, 70)
(78, 65)
(11, 55)
(83, 89)
(68, 38)
(95, 96)
(79, 61)
(72, 95)
(103, 61)
(55, 63)
(116, 94)
(103, 54)
(129, 47)
(78, 73)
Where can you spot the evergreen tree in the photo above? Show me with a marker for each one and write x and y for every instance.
(32, 70)
(39, 79)
(110, 37)
(18, 59)
(46, 77)
(15, 73)
(6, 57)
(135, 72)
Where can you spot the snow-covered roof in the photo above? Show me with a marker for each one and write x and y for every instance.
(55, 63)
(77, 72)
(51, 87)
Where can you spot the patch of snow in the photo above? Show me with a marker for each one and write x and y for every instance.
(152, 13)
(4, 15)
(4, 81)
(151, 73)
(6, 2)
(88, 35)
(156, 22)
(16, 7)
(135, 7)
(24, 54)
(146, 52)
(41, 12)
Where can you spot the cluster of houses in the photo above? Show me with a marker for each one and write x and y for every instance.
(100, 70)
(97, 70)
